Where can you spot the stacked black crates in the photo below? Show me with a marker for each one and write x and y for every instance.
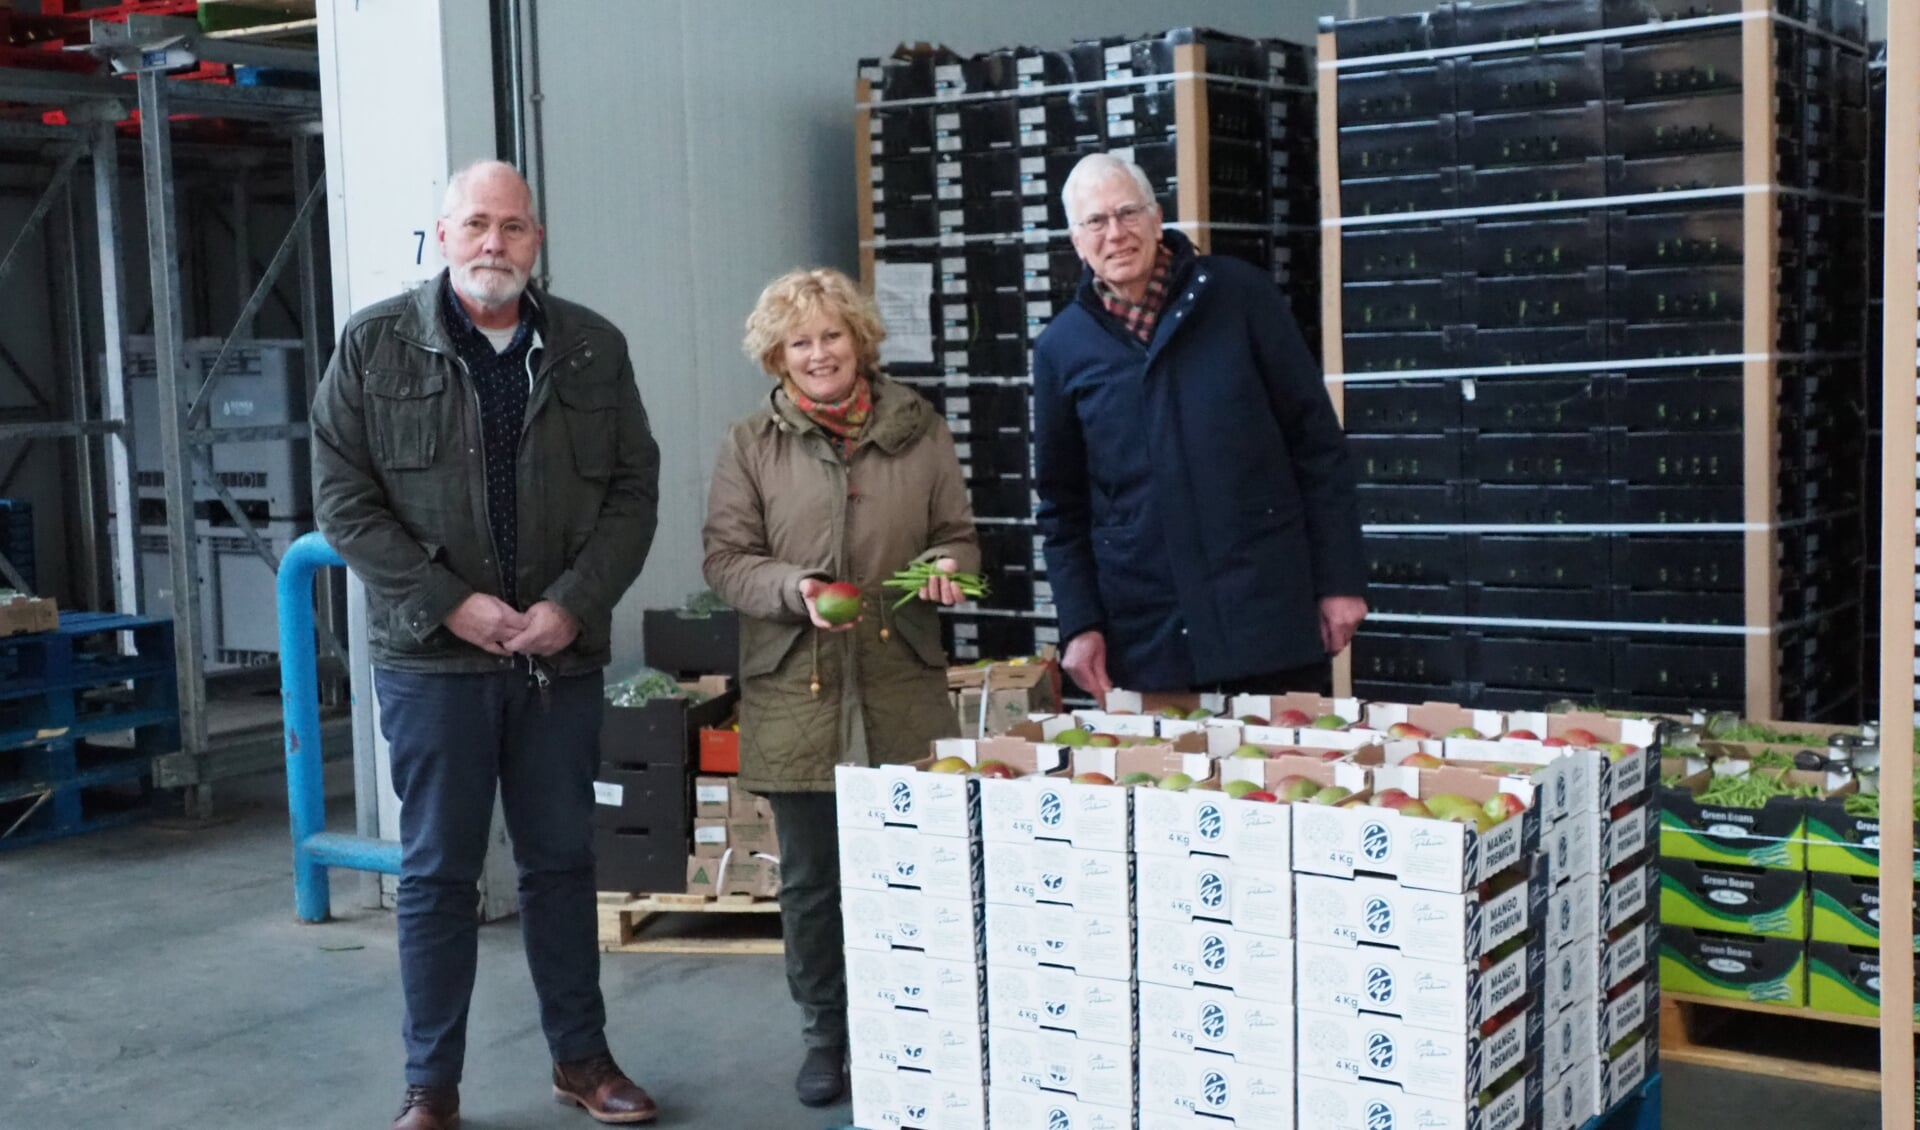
(965, 239)
(1555, 359)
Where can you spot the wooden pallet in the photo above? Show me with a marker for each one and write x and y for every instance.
(698, 924)
(1794, 1043)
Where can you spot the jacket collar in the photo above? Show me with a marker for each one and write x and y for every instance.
(1183, 287)
(420, 321)
(899, 417)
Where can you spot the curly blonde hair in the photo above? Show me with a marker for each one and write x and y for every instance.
(801, 295)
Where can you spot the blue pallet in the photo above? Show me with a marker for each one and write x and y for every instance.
(1639, 1112)
(67, 684)
(63, 788)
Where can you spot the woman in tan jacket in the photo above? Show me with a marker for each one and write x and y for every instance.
(842, 475)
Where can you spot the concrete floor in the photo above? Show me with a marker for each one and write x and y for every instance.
(153, 976)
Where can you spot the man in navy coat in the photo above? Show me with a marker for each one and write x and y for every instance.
(1195, 493)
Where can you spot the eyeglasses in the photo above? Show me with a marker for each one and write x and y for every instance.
(1127, 215)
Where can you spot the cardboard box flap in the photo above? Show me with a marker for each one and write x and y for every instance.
(1437, 719)
(1152, 702)
(1000, 676)
(1272, 707)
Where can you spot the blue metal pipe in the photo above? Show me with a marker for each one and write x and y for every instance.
(314, 848)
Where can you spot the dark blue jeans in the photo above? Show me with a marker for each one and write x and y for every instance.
(454, 738)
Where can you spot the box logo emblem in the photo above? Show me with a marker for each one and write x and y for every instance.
(1375, 842)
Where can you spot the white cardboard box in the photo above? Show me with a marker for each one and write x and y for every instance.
(1179, 823)
(1436, 995)
(1635, 1010)
(879, 859)
(948, 988)
(1571, 1042)
(1327, 1104)
(1572, 975)
(1621, 1076)
(1626, 836)
(1059, 1063)
(1015, 1109)
(1627, 955)
(1030, 937)
(1453, 1066)
(1573, 1101)
(1255, 966)
(1566, 780)
(897, 1040)
(1438, 855)
(1426, 924)
(930, 922)
(1180, 1084)
(1572, 847)
(938, 804)
(1254, 898)
(1027, 809)
(1627, 896)
(912, 1098)
(1184, 1020)
(1097, 882)
(1572, 912)
(1090, 1008)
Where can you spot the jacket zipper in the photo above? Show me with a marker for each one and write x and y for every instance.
(473, 395)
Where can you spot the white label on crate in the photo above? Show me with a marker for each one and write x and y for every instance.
(1034, 214)
(877, 174)
(961, 426)
(954, 265)
(710, 835)
(948, 144)
(1033, 115)
(954, 311)
(1042, 590)
(950, 192)
(1121, 53)
(963, 451)
(1121, 128)
(947, 73)
(604, 793)
(1033, 164)
(1120, 107)
(965, 631)
(955, 332)
(955, 359)
(946, 121)
(1038, 261)
(1046, 635)
(877, 149)
(1031, 65)
(964, 650)
(947, 170)
(879, 196)
(952, 217)
(1031, 187)
(904, 294)
(712, 794)
(1039, 308)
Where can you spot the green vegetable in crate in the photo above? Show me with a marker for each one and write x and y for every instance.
(1751, 790)
(645, 686)
(915, 577)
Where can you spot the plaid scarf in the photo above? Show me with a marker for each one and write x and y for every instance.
(842, 420)
(1140, 319)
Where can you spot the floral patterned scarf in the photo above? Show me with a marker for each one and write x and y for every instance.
(842, 420)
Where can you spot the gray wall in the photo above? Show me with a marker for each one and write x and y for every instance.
(694, 150)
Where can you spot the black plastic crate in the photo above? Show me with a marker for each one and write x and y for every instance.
(982, 268)
(1658, 340)
(1703, 123)
(983, 316)
(995, 173)
(1679, 458)
(1418, 559)
(1595, 341)
(1400, 305)
(1061, 120)
(1703, 235)
(900, 131)
(1633, 13)
(1715, 608)
(1403, 504)
(1231, 165)
(1541, 245)
(1397, 148)
(1402, 406)
(1382, 690)
(910, 220)
(1396, 94)
(1400, 251)
(994, 407)
(1544, 662)
(1697, 293)
(1388, 196)
(1538, 404)
(1502, 602)
(1001, 496)
(1535, 184)
(1411, 657)
(1289, 63)
(1536, 505)
(1710, 400)
(1671, 67)
(1525, 19)
(1146, 113)
(992, 123)
(1569, 457)
(1406, 458)
(1534, 300)
(1531, 80)
(687, 646)
(1695, 563)
(1644, 504)
(1540, 560)
(1009, 549)
(1229, 55)
(1532, 137)
(1392, 35)
(995, 455)
(1676, 174)
(1680, 666)
(972, 638)
(988, 357)
(981, 215)
(1400, 352)
(1418, 600)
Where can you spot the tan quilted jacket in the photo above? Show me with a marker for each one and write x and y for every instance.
(783, 507)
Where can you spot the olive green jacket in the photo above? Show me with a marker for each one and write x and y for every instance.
(398, 474)
(784, 507)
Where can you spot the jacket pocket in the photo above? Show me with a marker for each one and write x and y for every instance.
(590, 409)
(404, 413)
(764, 645)
(921, 631)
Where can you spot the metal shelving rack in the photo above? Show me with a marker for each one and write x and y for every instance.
(141, 53)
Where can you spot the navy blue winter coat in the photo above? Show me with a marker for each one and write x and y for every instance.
(1195, 494)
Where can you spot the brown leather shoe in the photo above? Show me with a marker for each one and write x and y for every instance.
(599, 1087)
(429, 1108)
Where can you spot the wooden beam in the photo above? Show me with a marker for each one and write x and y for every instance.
(1190, 144)
(1897, 555)
(863, 177)
(1332, 348)
(1760, 378)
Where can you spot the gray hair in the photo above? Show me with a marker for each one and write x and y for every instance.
(1096, 167)
(457, 183)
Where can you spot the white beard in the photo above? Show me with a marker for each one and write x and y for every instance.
(490, 288)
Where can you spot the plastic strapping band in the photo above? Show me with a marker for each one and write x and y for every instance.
(1048, 235)
(1498, 372)
(1584, 203)
(1037, 90)
(1542, 41)
(1573, 625)
(1569, 528)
